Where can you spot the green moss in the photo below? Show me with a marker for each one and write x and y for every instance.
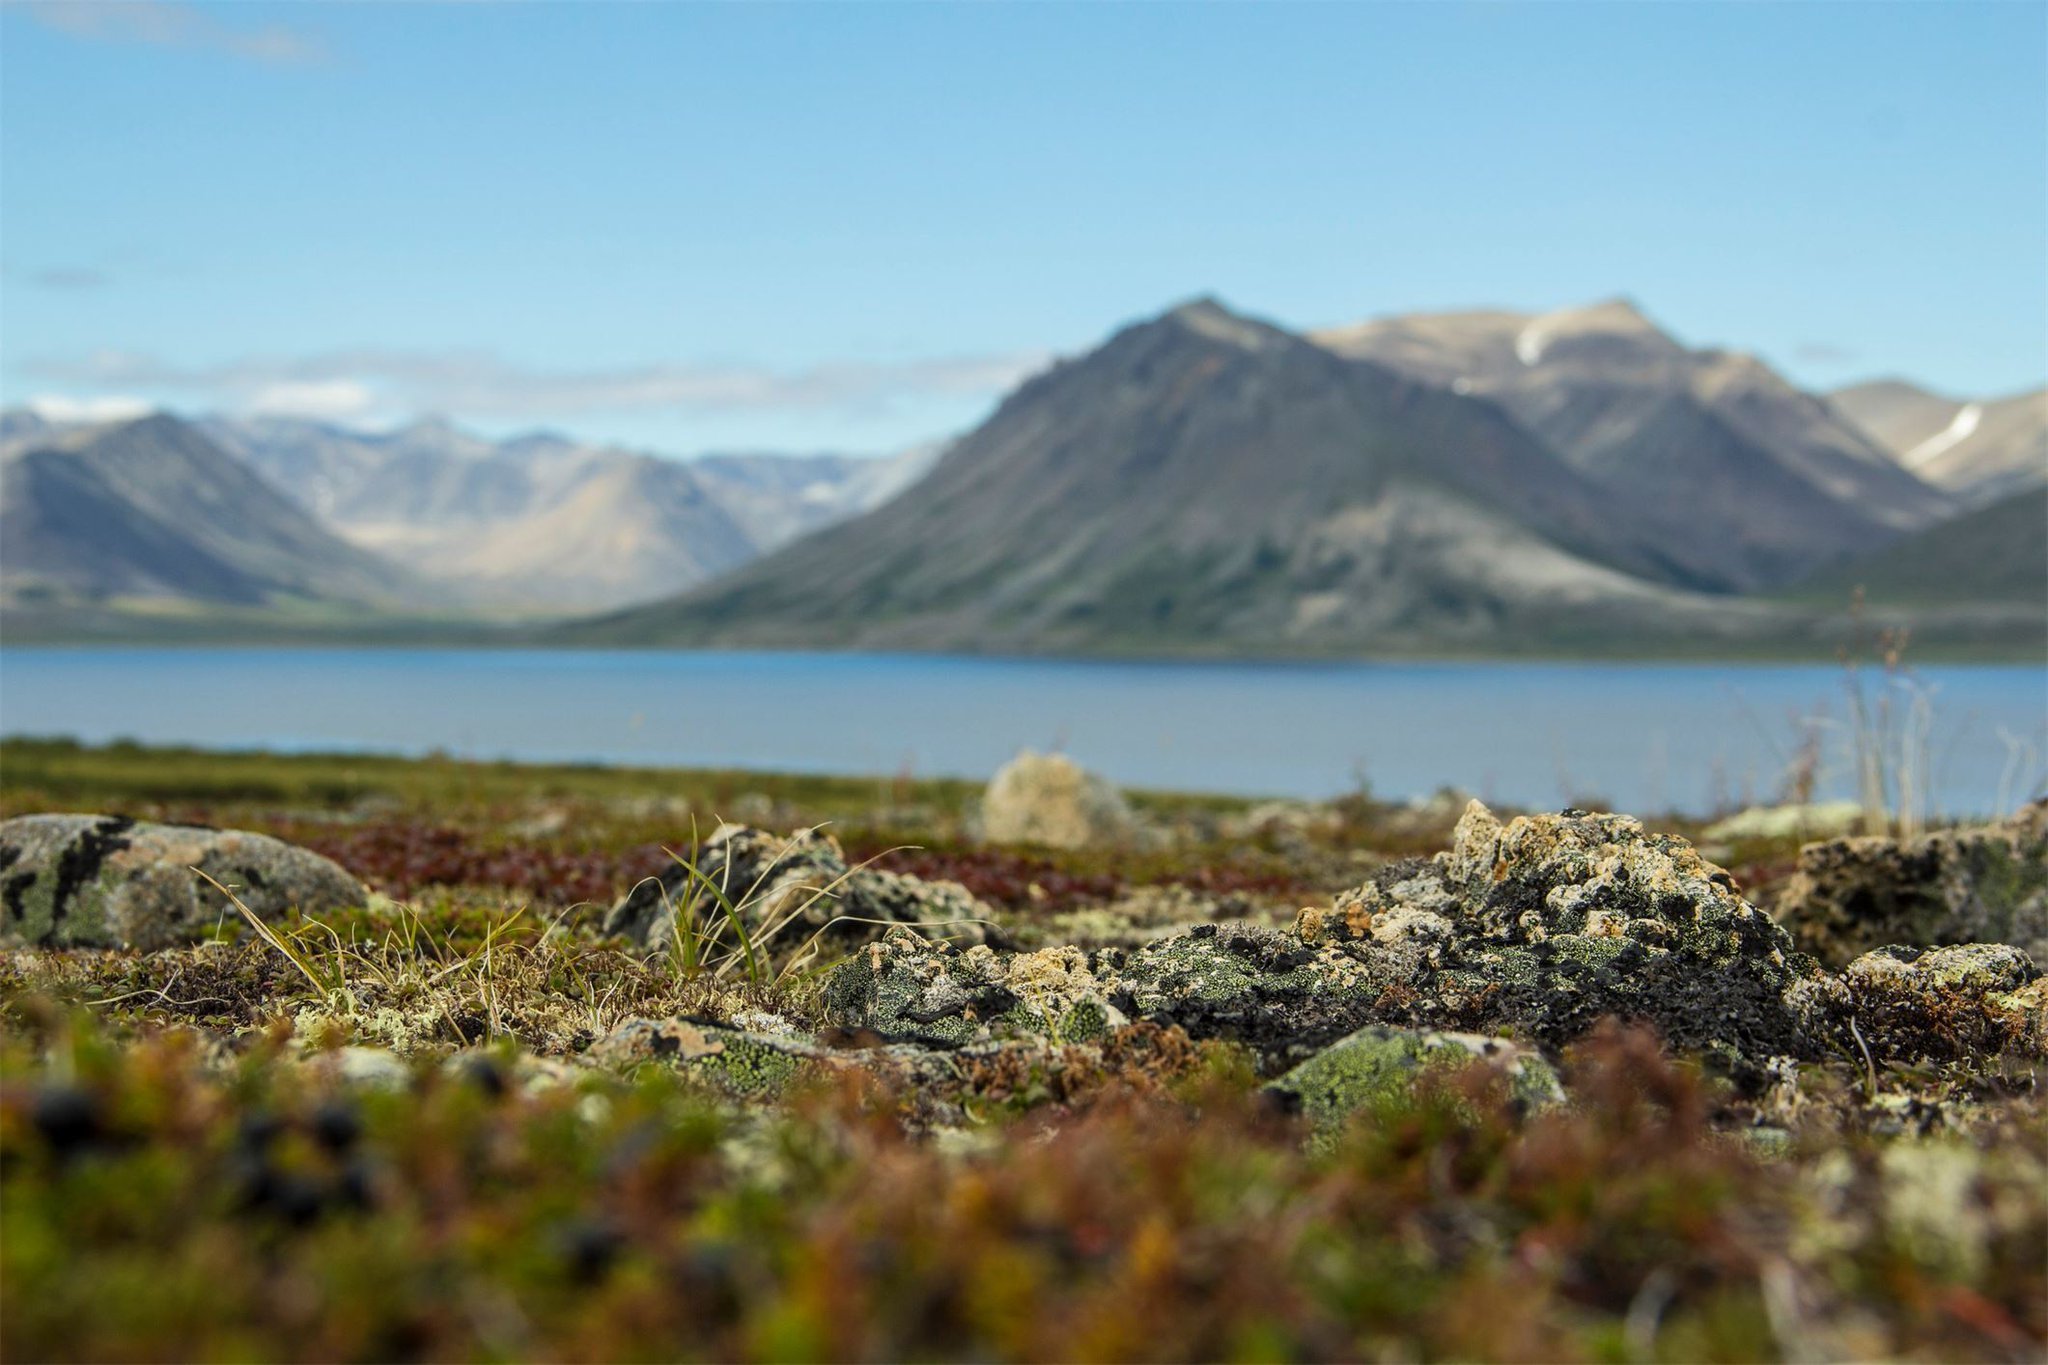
(1378, 1066)
(746, 1068)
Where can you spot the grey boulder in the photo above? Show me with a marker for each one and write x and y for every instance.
(106, 881)
(1049, 799)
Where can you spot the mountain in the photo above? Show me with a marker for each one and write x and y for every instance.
(1980, 450)
(614, 531)
(1203, 481)
(429, 474)
(544, 522)
(1994, 555)
(1760, 483)
(152, 509)
(776, 498)
(21, 427)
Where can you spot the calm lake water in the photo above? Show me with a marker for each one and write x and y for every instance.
(1645, 737)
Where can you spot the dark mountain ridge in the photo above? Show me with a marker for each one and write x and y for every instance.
(1203, 478)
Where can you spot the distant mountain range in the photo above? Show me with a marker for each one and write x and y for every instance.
(535, 524)
(545, 523)
(1208, 482)
(1201, 482)
(1708, 449)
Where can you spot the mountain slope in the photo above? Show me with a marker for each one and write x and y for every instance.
(1996, 554)
(776, 498)
(1760, 483)
(1202, 481)
(152, 509)
(1982, 451)
(620, 526)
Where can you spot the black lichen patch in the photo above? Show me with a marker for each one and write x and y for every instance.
(14, 894)
(80, 864)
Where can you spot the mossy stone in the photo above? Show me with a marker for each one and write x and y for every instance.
(1378, 1064)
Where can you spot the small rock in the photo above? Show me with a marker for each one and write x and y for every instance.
(790, 891)
(105, 881)
(1058, 997)
(1049, 799)
(740, 1064)
(1983, 885)
(754, 808)
(1294, 827)
(1811, 820)
(910, 989)
(1972, 1000)
(1253, 985)
(1355, 1072)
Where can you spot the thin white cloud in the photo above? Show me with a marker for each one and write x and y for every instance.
(482, 386)
(1822, 353)
(164, 23)
(69, 277)
(331, 399)
(111, 407)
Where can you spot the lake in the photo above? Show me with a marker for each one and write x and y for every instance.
(1642, 737)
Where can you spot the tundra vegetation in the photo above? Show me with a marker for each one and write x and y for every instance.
(600, 1063)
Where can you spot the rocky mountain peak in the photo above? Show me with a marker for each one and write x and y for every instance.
(1207, 316)
(1608, 333)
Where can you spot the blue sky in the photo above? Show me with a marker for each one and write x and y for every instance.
(851, 226)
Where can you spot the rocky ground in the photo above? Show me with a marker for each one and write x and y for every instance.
(317, 1058)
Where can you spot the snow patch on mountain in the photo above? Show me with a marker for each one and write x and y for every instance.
(1954, 434)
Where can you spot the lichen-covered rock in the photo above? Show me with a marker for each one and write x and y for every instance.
(1962, 1001)
(105, 881)
(790, 892)
(1540, 927)
(1050, 799)
(1601, 876)
(738, 1064)
(1982, 885)
(1548, 923)
(1377, 1062)
(910, 988)
(1261, 987)
(1239, 982)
